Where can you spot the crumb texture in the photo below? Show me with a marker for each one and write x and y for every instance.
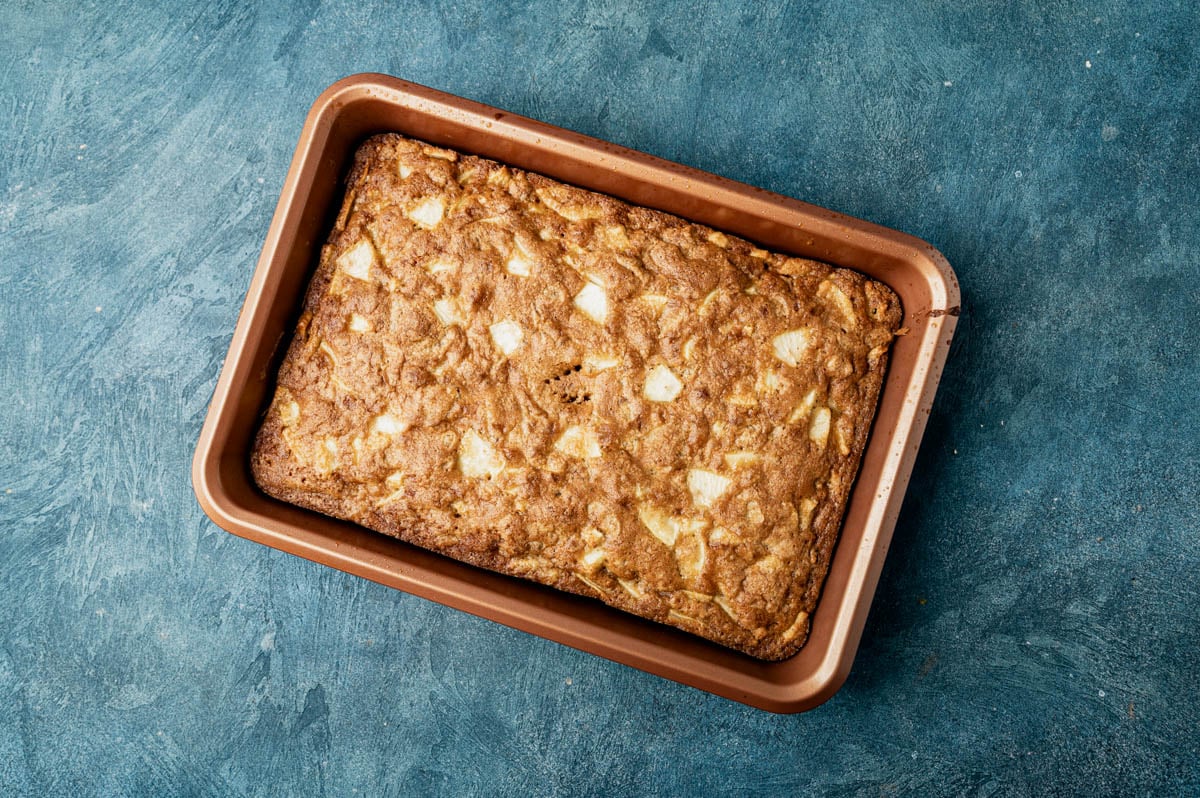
(557, 385)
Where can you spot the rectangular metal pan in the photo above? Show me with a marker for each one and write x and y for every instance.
(359, 106)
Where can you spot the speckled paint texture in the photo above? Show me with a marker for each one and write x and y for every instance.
(1037, 626)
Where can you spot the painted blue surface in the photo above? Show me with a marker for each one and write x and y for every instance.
(1037, 627)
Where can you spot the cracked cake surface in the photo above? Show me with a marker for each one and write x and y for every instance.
(561, 386)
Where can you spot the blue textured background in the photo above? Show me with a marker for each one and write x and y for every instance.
(1037, 627)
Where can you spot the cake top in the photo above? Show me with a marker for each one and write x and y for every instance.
(553, 383)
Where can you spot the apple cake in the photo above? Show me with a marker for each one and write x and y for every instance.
(558, 385)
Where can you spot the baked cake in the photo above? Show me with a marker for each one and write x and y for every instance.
(560, 386)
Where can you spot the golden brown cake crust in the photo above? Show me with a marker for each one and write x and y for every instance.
(554, 384)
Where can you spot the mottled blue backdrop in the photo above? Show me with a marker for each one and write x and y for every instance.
(1037, 627)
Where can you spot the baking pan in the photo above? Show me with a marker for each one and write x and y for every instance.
(359, 106)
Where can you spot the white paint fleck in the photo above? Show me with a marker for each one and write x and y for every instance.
(261, 181)
(1109, 132)
(947, 83)
(83, 146)
(268, 642)
(1018, 174)
(1100, 693)
(1087, 64)
(99, 308)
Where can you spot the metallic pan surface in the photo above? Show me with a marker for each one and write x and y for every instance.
(362, 105)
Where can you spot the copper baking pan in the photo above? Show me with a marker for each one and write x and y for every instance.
(359, 106)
